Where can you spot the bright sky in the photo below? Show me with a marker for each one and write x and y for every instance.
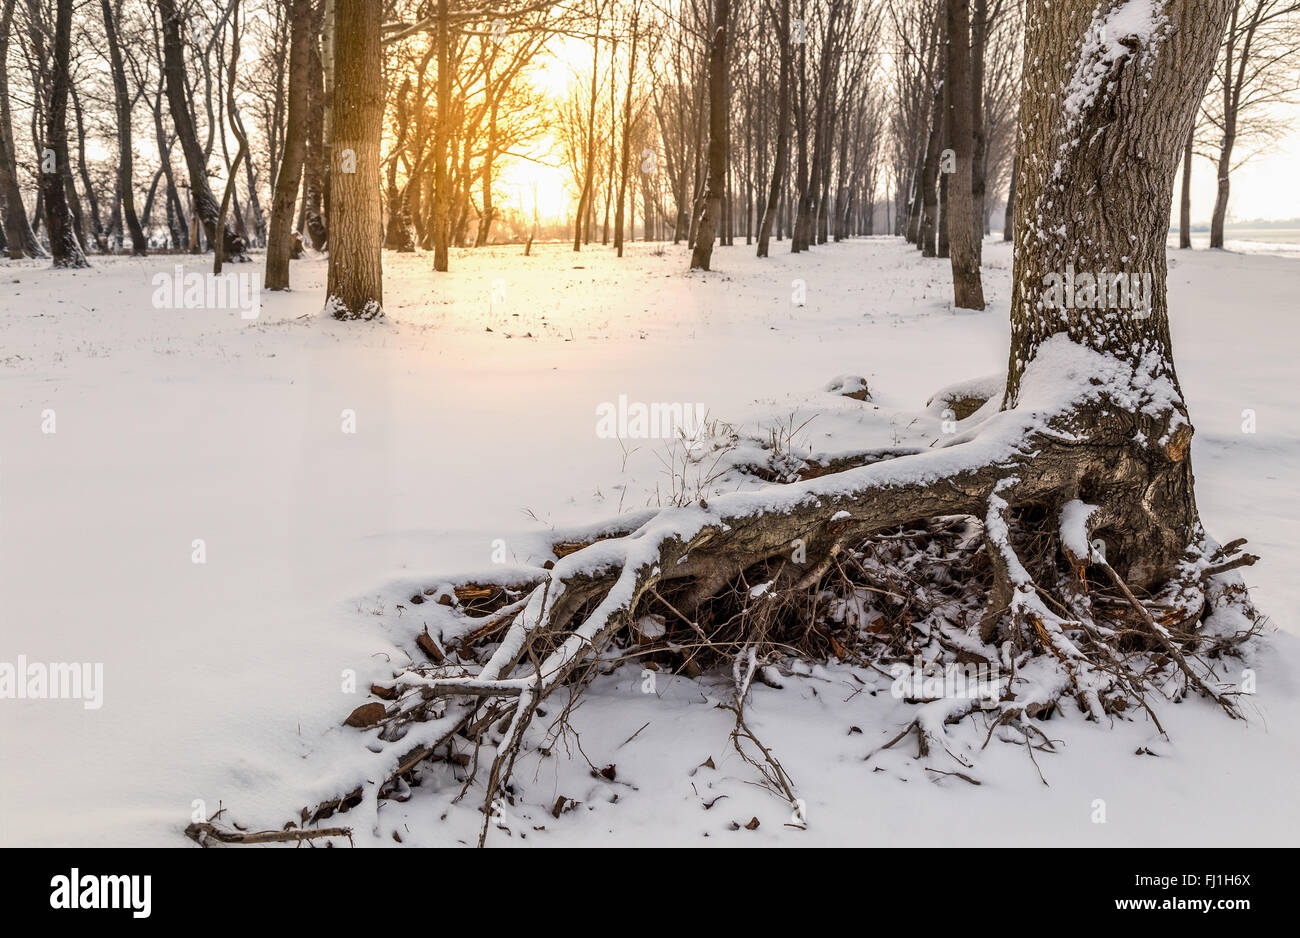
(1265, 187)
(545, 178)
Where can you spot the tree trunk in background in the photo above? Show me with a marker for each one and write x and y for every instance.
(913, 215)
(802, 122)
(54, 160)
(780, 168)
(702, 253)
(21, 240)
(1220, 216)
(96, 225)
(1008, 220)
(965, 229)
(945, 141)
(979, 152)
(488, 213)
(441, 134)
(928, 235)
(398, 235)
(356, 267)
(237, 128)
(279, 247)
(625, 155)
(313, 196)
(1096, 182)
(1185, 200)
(205, 204)
(587, 195)
(122, 102)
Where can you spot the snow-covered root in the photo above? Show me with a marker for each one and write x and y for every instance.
(977, 551)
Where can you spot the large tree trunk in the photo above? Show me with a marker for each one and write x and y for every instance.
(279, 247)
(1095, 184)
(205, 204)
(54, 160)
(965, 228)
(702, 253)
(625, 149)
(122, 101)
(356, 268)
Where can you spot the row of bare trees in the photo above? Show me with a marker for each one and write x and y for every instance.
(169, 124)
(1256, 76)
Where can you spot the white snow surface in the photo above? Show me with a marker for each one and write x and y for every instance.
(474, 450)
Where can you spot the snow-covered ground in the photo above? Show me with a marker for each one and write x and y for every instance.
(475, 415)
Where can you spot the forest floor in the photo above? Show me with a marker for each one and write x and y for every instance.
(474, 407)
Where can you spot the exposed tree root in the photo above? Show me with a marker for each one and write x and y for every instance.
(989, 552)
(204, 834)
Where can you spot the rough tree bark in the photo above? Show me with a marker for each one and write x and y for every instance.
(356, 267)
(702, 253)
(279, 247)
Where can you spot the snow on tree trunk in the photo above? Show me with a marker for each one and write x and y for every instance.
(1102, 128)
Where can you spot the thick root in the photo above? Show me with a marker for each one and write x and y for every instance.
(989, 551)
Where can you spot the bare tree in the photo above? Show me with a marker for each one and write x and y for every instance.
(965, 228)
(205, 204)
(21, 240)
(122, 100)
(279, 247)
(702, 253)
(1254, 73)
(64, 248)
